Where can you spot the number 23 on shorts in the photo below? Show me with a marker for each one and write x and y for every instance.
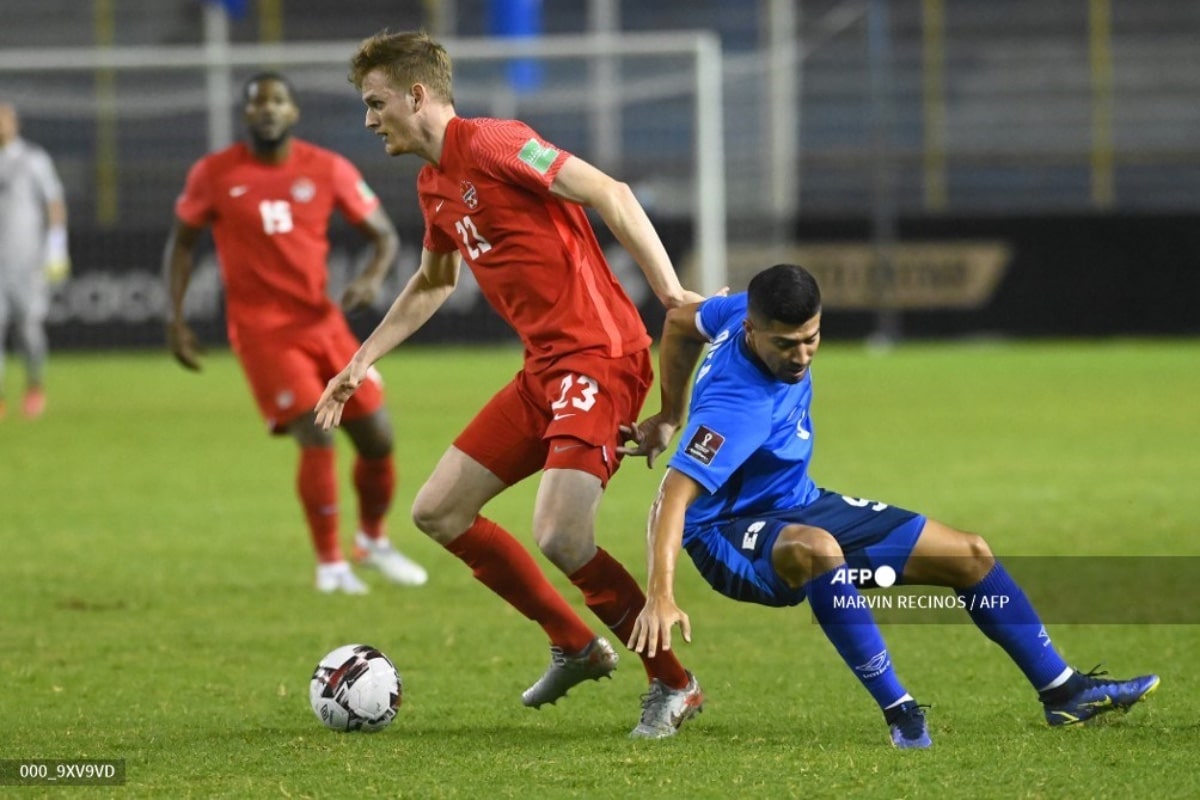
(578, 395)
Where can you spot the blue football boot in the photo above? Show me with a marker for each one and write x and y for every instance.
(907, 724)
(1087, 695)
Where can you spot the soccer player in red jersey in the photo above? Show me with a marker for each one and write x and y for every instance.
(512, 205)
(269, 202)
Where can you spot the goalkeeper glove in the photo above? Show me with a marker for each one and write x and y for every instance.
(58, 260)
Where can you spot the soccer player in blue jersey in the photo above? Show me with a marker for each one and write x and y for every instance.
(737, 495)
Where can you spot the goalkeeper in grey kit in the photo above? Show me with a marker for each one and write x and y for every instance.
(33, 253)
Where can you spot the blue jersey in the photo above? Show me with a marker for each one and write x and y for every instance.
(749, 436)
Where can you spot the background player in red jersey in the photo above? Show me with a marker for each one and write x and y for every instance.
(497, 194)
(269, 202)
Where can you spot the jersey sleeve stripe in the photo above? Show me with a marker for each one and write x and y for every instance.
(608, 323)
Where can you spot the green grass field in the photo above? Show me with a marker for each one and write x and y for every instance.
(157, 606)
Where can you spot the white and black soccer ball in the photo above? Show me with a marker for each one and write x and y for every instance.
(356, 688)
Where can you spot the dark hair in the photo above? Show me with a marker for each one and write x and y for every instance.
(784, 293)
(269, 75)
(407, 57)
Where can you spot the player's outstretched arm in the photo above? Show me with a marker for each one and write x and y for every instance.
(381, 233)
(422, 296)
(420, 299)
(580, 182)
(664, 538)
(177, 273)
(678, 353)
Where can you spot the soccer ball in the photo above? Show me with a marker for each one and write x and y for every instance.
(356, 688)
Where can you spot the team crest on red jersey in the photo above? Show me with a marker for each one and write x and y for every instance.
(303, 190)
(469, 195)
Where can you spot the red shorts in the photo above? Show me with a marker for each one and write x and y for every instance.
(288, 370)
(566, 417)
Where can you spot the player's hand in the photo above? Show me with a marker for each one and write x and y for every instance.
(58, 270)
(337, 392)
(360, 293)
(184, 345)
(653, 626)
(650, 437)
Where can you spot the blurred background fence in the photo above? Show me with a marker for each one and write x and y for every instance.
(948, 167)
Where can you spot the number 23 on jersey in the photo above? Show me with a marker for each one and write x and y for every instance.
(474, 241)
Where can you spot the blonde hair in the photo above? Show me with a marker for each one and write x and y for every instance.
(408, 57)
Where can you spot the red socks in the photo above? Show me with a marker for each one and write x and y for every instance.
(316, 482)
(616, 598)
(375, 482)
(504, 566)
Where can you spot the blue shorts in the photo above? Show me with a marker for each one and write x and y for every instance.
(734, 555)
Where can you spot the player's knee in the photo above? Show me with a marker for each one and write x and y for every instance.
(977, 560)
(567, 546)
(372, 435)
(424, 517)
(308, 434)
(374, 448)
(437, 520)
(802, 553)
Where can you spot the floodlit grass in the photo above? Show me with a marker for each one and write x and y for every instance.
(156, 602)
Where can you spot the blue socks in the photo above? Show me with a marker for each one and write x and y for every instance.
(1001, 610)
(850, 626)
(996, 604)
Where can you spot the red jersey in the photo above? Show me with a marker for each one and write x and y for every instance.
(535, 257)
(270, 224)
